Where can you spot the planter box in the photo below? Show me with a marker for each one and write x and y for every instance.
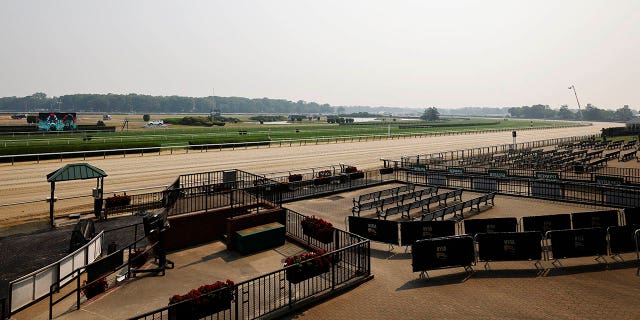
(356, 175)
(117, 201)
(299, 274)
(295, 177)
(321, 181)
(192, 311)
(324, 237)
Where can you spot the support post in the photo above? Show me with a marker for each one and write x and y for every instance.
(51, 202)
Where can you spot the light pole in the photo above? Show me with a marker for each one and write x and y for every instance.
(572, 87)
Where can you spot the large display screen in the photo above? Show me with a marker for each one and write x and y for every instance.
(57, 121)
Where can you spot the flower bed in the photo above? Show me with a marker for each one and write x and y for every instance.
(306, 265)
(350, 169)
(204, 301)
(324, 174)
(318, 229)
(117, 201)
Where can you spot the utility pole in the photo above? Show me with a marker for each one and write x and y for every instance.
(572, 87)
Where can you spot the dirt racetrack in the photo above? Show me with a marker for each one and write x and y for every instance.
(26, 182)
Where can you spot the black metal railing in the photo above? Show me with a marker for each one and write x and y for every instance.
(76, 276)
(439, 157)
(571, 191)
(137, 203)
(274, 292)
(315, 186)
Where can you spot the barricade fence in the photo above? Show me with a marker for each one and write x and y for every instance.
(279, 291)
(620, 236)
(460, 250)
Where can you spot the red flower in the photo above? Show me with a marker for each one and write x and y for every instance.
(206, 293)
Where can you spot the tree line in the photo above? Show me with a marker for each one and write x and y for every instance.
(136, 103)
(589, 113)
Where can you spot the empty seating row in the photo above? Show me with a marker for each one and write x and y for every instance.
(398, 200)
(438, 199)
(628, 156)
(459, 207)
(377, 195)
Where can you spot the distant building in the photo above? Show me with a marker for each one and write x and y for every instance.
(633, 124)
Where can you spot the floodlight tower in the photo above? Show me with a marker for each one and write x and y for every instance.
(572, 87)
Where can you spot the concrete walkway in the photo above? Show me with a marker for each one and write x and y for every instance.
(582, 289)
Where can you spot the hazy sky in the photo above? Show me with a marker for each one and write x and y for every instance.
(393, 53)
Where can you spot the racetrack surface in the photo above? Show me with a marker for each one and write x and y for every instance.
(26, 182)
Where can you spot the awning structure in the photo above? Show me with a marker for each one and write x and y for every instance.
(74, 171)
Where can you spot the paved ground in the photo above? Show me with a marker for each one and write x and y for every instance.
(583, 289)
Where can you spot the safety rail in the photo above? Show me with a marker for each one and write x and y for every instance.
(76, 276)
(34, 286)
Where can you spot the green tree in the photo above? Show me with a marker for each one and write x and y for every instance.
(623, 114)
(146, 117)
(430, 114)
(565, 113)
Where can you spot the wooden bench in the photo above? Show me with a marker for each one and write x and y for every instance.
(259, 238)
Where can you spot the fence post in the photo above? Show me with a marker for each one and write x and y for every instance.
(50, 304)
(237, 300)
(78, 291)
(333, 269)
(290, 295)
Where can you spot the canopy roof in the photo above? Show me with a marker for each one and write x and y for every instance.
(75, 171)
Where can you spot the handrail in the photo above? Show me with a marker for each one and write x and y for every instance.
(56, 271)
(55, 287)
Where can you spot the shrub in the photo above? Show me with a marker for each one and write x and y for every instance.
(146, 117)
